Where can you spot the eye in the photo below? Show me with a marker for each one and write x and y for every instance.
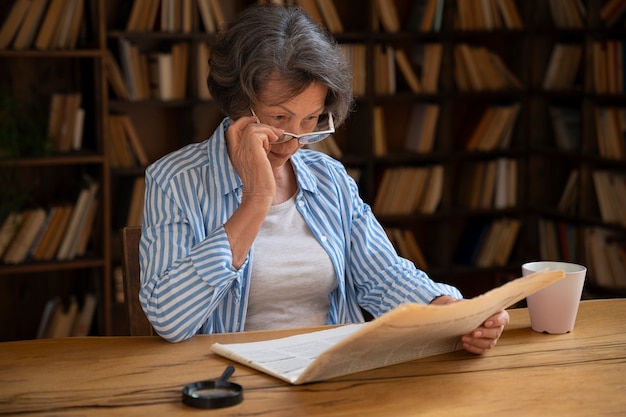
(279, 120)
(310, 122)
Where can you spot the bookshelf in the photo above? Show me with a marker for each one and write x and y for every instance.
(419, 66)
(54, 171)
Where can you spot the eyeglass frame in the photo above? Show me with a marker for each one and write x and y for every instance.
(302, 139)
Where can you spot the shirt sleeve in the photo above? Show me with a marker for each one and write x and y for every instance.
(384, 280)
(185, 274)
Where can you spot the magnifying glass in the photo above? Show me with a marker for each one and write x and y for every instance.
(217, 393)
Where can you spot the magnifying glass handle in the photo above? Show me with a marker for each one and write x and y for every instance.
(227, 373)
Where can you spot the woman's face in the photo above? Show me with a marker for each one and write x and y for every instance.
(297, 115)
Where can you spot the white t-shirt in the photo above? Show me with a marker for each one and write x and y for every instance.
(292, 274)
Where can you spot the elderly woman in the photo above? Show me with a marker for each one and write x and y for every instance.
(247, 230)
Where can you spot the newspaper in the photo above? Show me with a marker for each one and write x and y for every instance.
(410, 331)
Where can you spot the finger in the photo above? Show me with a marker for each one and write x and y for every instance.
(501, 318)
(241, 123)
(488, 332)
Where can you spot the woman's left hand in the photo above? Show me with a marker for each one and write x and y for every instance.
(484, 337)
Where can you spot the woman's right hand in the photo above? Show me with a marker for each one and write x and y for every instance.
(248, 146)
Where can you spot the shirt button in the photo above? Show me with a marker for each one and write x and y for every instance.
(323, 239)
(301, 203)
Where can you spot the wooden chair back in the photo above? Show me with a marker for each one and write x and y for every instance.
(139, 324)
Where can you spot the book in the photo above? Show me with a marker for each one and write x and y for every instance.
(208, 21)
(510, 15)
(13, 21)
(62, 321)
(84, 317)
(431, 67)
(9, 228)
(422, 128)
(29, 227)
(566, 14)
(82, 240)
(65, 121)
(76, 223)
(434, 190)
(428, 22)
(612, 10)
(408, 332)
(218, 14)
(312, 9)
(50, 215)
(379, 135)
(51, 20)
(388, 15)
(407, 70)
(115, 77)
(28, 30)
(58, 230)
(562, 67)
(121, 152)
(46, 316)
(330, 15)
(76, 23)
(133, 139)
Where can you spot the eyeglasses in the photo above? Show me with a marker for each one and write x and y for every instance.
(324, 128)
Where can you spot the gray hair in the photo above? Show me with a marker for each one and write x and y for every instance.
(272, 40)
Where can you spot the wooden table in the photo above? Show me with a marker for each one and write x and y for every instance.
(528, 374)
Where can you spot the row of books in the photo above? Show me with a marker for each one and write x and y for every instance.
(420, 70)
(557, 240)
(407, 190)
(422, 127)
(605, 252)
(175, 16)
(159, 75)
(127, 149)
(479, 69)
(406, 245)
(563, 67)
(568, 14)
(610, 189)
(60, 320)
(612, 11)
(609, 76)
(356, 56)
(489, 184)
(488, 15)
(486, 243)
(43, 24)
(494, 129)
(66, 121)
(424, 16)
(420, 133)
(60, 232)
(611, 132)
(324, 13)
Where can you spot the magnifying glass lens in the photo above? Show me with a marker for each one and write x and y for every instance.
(214, 393)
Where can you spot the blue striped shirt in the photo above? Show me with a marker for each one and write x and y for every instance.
(188, 283)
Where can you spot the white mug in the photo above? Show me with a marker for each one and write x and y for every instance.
(553, 309)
